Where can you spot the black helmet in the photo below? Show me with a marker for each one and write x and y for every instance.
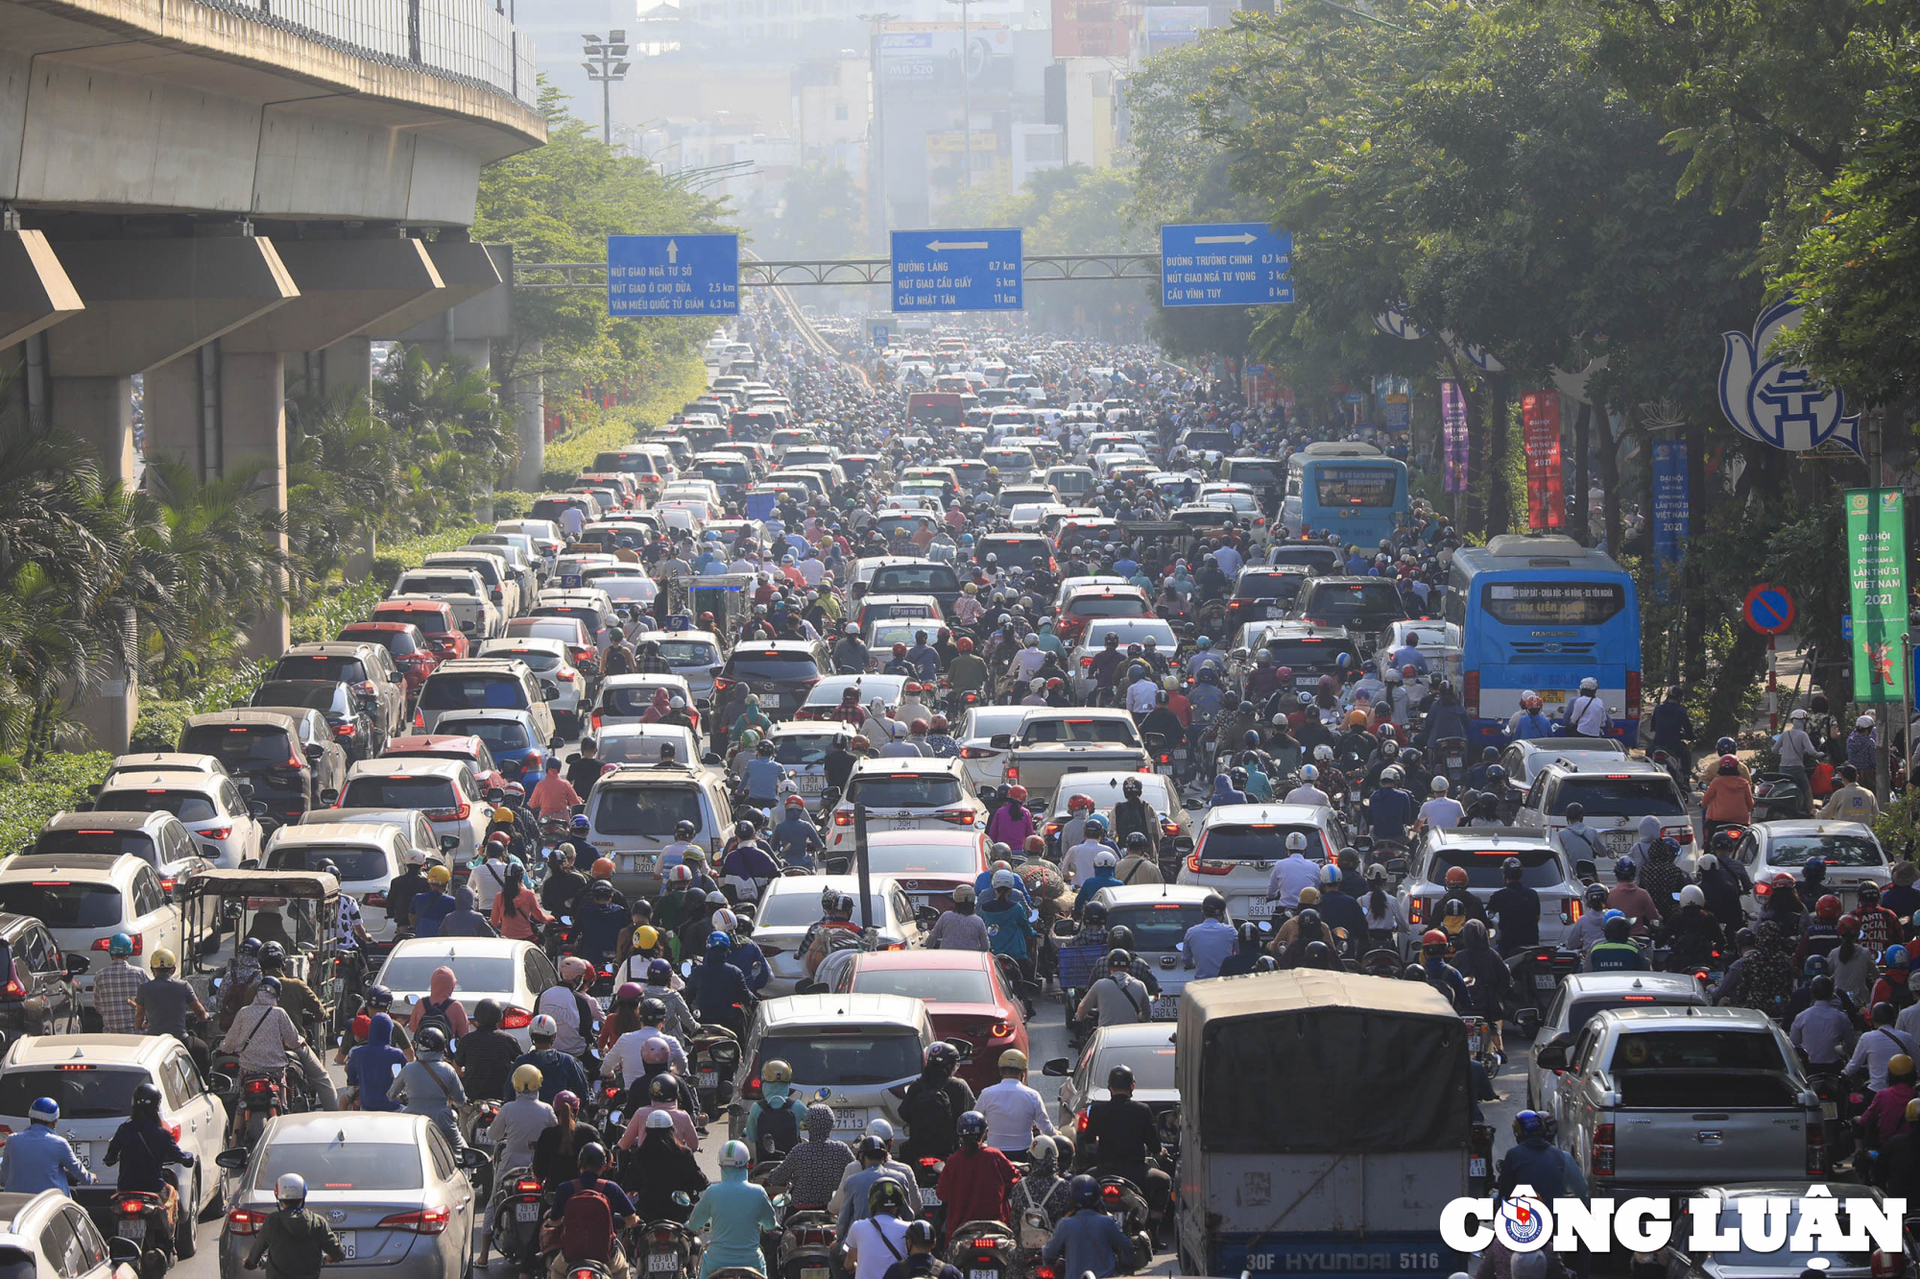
(1117, 958)
(593, 1157)
(652, 1011)
(1214, 904)
(1413, 972)
(1085, 1191)
(942, 1055)
(1319, 955)
(1120, 1080)
(684, 830)
(1120, 937)
(272, 955)
(1512, 869)
(1249, 934)
(1616, 928)
(430, 1040)
(1094, 916)
(486, 1014)
(145, 1098)
(663, 1087)
(379, 998)
(1137, 839)
(1131, 787)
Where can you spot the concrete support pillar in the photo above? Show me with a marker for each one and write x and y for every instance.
(347, 366)
(182, 417)
(35, 293)
(253, 418)
(529, 396)
(99, 410)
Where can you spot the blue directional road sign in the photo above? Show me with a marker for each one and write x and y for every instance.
(1225, 264)
(957, 270)
(673, 275)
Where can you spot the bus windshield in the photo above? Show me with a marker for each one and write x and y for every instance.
(1356, 485)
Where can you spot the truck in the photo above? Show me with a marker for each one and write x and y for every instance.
(1664, 1099)
(1362, 1133)
(1052, 742)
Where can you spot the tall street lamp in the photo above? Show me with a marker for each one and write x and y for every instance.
(606, 63)
(966, 82)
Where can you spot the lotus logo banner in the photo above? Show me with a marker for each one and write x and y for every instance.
(1776, 403)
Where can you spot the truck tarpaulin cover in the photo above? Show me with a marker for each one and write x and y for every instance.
(1367, 1080)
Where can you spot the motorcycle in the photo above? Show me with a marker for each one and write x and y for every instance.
(981, 1250)
(1121, 1200)
(926, 1175)
(666, 1247)
(260, 1100)
(514, 1228)
(1480, 1159)
(1450, 753)
(1840, 1109)
(807, 1240)
(1776, 796)
(714, 1058)
(1537, 974)
(474, 1120)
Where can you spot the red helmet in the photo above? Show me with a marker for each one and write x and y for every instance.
(1827, 909)
(1456, 876)
(965, 645)
(1783, 883)
(939, 724)
(918, 727)
(1080, 804)
(1284, 672)
(899, 650)
(1433, 937)
(1054, 683)
(1849, 927)
(1017, 791)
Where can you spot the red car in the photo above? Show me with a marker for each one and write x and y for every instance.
(412, 651)
(965, 994)
(927, 864)
(435, 620)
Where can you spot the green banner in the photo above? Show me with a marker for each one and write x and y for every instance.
(1877, 576)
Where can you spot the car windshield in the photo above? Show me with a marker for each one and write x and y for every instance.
(1838, 850)
(1264, 842)
(904, 790)
(237, 745)
(83, 1091)
(341, 1165)
(1310, 652)
(1080, 730)
(472, 693)
(913, 579)
(1261, 584)
(1583, 1012)
(381, 791)
(1353, 599)
(687, 653)
(1152, 1066)
(1695, 1050)
(188, 806)
(629, 699)
(1156, 925)
(935, 985)
(1107, 606)
(117, 842)
(319, 666)
(1620, 797)
(1539, 867)
(796, 748)
(1026, 552)
(536, 659)
(435, 584)
(429, 623)
(412, 973)
(564, 629)
(355, 861)
(62, 904)
(398, 643)
(790, 910)
(903, 859)
(848, 1057)
(300, 692)
(774, 665)
(650, 812)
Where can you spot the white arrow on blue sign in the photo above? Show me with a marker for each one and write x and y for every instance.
(948, 270)
(673, 275)
(1225, 264)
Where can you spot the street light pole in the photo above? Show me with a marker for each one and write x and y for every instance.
(876, 158)
(966, 82)
(606, 63)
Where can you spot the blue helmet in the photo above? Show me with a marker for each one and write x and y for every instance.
(44, 1110)
(659, 972)
(1816, 966)
(1612, 915)
(1096, 825)
(119, 945)
(1084, 1190)
(1895, 957)
(1624, 869)
(251, 946)
(971, 1126)
(718, 941)
(580, 823)
(271, 985)
(1205, 641)
(1529, 1123)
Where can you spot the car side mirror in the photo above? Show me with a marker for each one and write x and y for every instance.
(711, 760)
(473, 1159)
(329, 796)
(396, 678)
(550, 695)
(217, 1082)
(1057, 1068)
(1552, 1055)
(962, 1046)
(77, 964)
(257, 808)
(233, 1160)
(1183, 844)
(1001, 741)
(314, 751)
(558, 741)
(449, 842)
(123, 1252)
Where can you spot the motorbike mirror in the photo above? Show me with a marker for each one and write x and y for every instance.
(233, 1160)
(412, 1000)
(449, 842)
(681, 1199)
(686, 968)
(329, 797)
(1033, 916)
(250, 863)
(217, 1082)
(567, 920)
(1180, 945)
(1397, 866)
(1264, 925)
(397, 1067)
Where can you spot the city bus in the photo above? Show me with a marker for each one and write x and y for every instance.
(1543, 613)
(1347, 488)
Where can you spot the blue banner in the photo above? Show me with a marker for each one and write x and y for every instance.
(1672, 516)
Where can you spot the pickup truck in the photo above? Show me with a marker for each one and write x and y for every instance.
(1052, 742)
(1663, 1100)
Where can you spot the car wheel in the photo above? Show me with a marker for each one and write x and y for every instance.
(184, 1217)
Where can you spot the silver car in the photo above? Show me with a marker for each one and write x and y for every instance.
(389, 1184)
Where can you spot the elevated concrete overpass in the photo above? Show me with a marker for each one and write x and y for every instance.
(198, 190)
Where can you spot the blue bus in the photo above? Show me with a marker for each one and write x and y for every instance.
(1346, 488)
(1543, 613)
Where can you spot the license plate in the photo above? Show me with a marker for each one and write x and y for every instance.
(1261, 909)
(983, 1274)
(928, 1199)
(1166, 1008)
(349, 1243)
(1543, 981)
(709, 1078)
(813, 1272)
(1477, 1166)
(1829, 1110)
(849, 1117)
(637, 862)
(1618, 838)
(663, 1262)
(1473, 1043)
(83, 1153)
(526, 1212)
(134, 1228)
(905, 823)
(1306, 681)
(1180, 756)
(808, 784)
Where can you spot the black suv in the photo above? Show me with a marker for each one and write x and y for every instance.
(1364, 605)
(38, 997)
(779, 672)
(352, 722)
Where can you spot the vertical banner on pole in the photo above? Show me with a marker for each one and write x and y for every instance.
(1546, 499)
(1453, 436)
(1877, 580)
(1672, 516)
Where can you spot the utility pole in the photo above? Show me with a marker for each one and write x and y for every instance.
(966, 82)
(877, 147)
(606, 63)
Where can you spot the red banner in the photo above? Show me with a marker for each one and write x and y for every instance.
(1089, 29)
(1546, 500)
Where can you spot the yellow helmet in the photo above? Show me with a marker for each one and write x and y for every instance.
(164, 959)
(646, 937)
(1913, 1111)
(1900, 1064)
(527, 1078)
(777, 1072)
(1013, 1059)
(439, 876)
(1308, 896)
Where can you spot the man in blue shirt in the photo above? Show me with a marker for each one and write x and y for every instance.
(40, 1159)
(1090, 1239)
(1210, 941)
(796, 838)
(925, 658)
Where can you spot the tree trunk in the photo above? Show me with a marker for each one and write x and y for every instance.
(1609, 473)
(1582, 525)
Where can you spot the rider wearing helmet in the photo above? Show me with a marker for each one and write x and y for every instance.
(1121, 1138)
(734, 1213)
(1614, 953)
(429, 1086)
(142, 1148)
(773, 1121)
(1533, 1160)
(115, 986)
(717, 989)
(1515, 908)
(296, 1238)
(933, 1106)
(593, 1234)
(1118, 998)
(1134, 815)
(517, 1128)
(974, 1184)
(559, 1071)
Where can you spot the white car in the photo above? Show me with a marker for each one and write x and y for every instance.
(85, 898)
(93, 1078)
(1130, 631)
(791, 906)
(824, 696)
(513, 974)
(50, 1234)
(984, 763)
(168, 762)
(641, 743)
(695, 656)
(368, 855)
(1438, 643)
(211, 807)
(551, 664)
(1236, 848)
(461, 588)
(800, 747)
(445, 790)
(624, 699)
(906, 793)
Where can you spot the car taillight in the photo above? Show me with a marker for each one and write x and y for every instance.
(450, 814)
(1470, 692)
(14, 989)
(173, 1131)
(1886, 1265)
(1816, 1148)
(419, 721)
(428, 1221)
(721, 683)
(294, 761)
(1013, 773)
(139, 942)
(1680, 835)
(515, 1018)
(567, 676)
(1199, 867)
(1000, 1030)
(1416, 909)
(343, 730)
(977, 752)
(843, 817)
(218, 832)
(1601, 1164)
(956, 816)
(245, 1221)
(168, 884)
(1086, 662)
(1080, 1121)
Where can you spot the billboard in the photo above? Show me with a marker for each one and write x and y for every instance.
(1090, 28)
(1168, 26)
(928, 72)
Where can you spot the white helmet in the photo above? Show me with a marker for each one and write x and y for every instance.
(1323, 753)
(1392, 676)
(732, 1155)
(543, 1027)
(1439, 786)
(1392, 775)
(1309, 774)
(1297, 842)
(880, 1128)
(724, 921)
(291, 1188)
(1589, 685)
(1706, 862)
(1005, 879)
(1105, 861)
(1692, 896)
(660, 1119)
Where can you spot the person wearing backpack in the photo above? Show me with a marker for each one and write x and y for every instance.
(933, 1106)
(773, 1124)
(440, 1010)
(239, 981)
(852, 1201)
(1040, 1201)
(733, 1213)
(429, 1086)
(588, 1214)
